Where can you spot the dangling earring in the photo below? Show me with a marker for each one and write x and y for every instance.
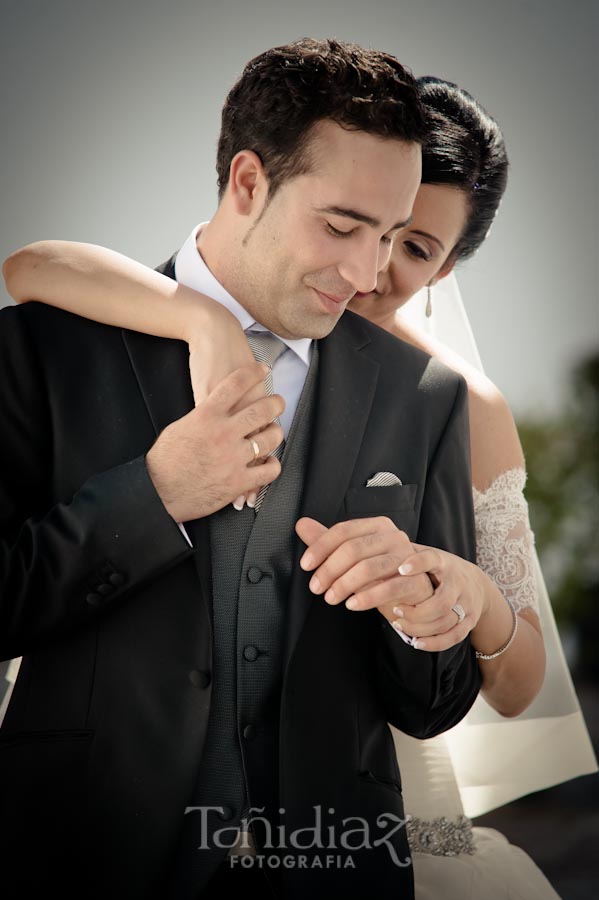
(429, 305)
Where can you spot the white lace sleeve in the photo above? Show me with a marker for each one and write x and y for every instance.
(505, 542)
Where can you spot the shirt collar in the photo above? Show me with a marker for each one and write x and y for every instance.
(192, 271)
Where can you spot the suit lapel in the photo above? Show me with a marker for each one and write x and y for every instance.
(161, 367)
(346, 386)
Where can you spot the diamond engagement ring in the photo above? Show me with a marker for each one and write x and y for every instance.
(459, 611)
(255, 448)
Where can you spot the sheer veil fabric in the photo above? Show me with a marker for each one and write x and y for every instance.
(495, 760)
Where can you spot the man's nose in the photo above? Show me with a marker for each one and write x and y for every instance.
(361, 268)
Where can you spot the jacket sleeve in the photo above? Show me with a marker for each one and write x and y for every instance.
(64, 562)
(427, 693)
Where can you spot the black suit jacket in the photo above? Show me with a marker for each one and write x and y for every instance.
(110, 608)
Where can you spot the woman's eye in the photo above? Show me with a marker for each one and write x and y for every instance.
(335, 231)
(418, 251)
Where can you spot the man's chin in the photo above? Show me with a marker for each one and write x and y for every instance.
(313, 327)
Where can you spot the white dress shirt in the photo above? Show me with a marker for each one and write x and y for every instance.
(290, 370)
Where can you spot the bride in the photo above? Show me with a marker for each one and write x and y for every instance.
(511, 743)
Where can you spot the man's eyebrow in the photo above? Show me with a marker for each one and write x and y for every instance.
(360, 216)
(430, 236)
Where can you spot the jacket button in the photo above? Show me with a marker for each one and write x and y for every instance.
(93, 599)
(249, 732)
(255, 574)
(251, 653)
(199, 679)
(116, 579)
(105, 589)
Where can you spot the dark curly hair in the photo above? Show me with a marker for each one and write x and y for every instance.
(465, 149)
(285, 91)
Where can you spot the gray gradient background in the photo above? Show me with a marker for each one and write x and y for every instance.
(110, 114)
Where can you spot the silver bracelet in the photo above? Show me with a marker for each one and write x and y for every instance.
(509, 640)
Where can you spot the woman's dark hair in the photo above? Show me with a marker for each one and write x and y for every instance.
(465, 149)
(285, 91)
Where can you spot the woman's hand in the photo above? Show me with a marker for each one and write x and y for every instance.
(214, 352)
(433, 622)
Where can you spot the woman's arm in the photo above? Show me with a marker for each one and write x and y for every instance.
(105, 286)
(512, 680)
(505, 555)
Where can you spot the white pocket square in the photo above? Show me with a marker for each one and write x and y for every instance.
(383, 479)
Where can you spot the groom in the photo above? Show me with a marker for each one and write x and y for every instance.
(184, 681)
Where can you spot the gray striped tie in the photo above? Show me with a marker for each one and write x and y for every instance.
(267, 348)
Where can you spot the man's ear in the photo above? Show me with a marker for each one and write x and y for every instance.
(445, 269)
(247, 184)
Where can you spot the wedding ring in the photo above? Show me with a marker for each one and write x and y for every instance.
(459, 611)
(255, 448)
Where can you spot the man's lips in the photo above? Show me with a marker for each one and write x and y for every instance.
(331, 303)
(333, 297)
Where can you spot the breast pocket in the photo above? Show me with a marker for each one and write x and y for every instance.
(397, 501)
(380, 501)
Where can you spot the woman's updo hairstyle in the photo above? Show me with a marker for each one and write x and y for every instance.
(465, 149)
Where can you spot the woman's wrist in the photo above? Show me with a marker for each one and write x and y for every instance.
(495, 625)
(201, 315)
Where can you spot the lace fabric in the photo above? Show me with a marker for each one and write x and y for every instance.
(504, 540)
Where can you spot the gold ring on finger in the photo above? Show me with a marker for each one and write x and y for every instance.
(255, 448)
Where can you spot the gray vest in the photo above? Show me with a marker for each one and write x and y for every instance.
(252, 558)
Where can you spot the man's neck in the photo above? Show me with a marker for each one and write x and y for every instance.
(209, 243)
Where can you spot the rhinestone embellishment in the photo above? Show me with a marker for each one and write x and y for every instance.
(440, 837)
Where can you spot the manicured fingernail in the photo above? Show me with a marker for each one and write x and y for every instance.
(397, 611)
(239, 503)
(307, 561)
(251, 499)
(330, 596)
(419, 645)
(352, 603)
(405, 569)
(397, 626)
(315, 585)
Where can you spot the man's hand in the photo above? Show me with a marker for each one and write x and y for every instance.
(204, 460)
(358, 562)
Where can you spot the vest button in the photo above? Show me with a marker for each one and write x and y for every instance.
(116, 579)
(251, 653)
(199, 679)
(249, 732)
(93, 599)
(105, 589)
(255, 574)
(227, 813)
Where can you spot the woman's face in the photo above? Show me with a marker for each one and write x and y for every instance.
(421, 252)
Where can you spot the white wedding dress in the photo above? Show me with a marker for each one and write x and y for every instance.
(486, 760)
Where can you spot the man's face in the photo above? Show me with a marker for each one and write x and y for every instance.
(326, 234)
